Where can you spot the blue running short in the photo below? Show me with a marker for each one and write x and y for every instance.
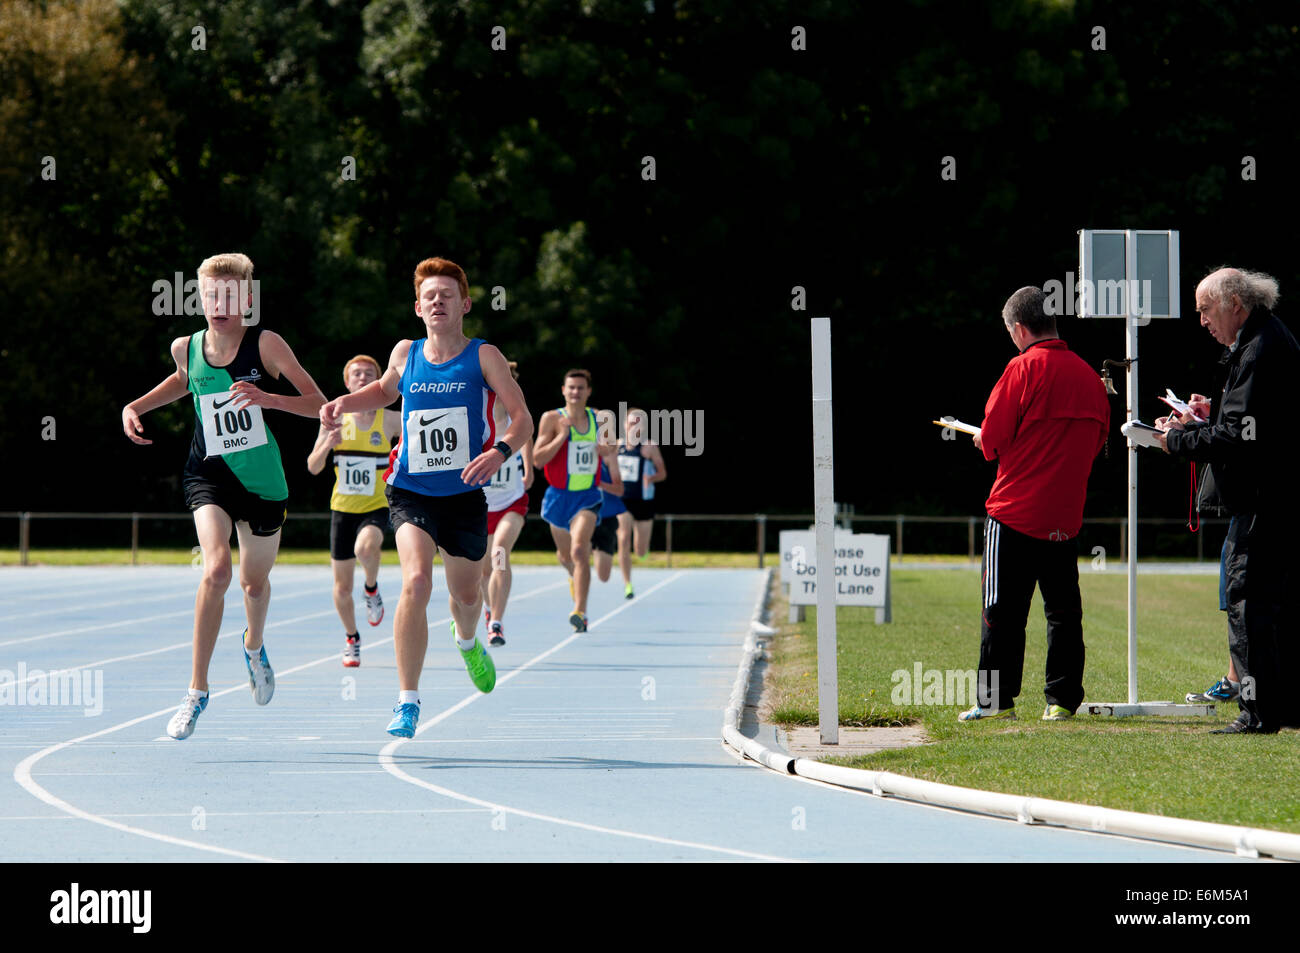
(559, 507)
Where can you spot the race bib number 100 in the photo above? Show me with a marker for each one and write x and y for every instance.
(227, 430)
(437, 440)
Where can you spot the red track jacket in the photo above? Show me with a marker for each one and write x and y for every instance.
(1044, 424)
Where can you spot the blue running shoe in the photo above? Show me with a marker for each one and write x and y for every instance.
(261, 680)
(1221, 691)
(405, 717)
(187, 716)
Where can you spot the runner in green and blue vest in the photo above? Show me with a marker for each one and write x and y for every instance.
(569, 450)
(234, 477)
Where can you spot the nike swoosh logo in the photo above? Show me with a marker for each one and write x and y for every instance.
(425, 423)
(218, 406)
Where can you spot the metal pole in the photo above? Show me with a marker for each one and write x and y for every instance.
(1131, 353)
(970, 540)
(898, 526)
(135, 536)
(761, 521)
(24, 536)
(828, 713)
(668, 534)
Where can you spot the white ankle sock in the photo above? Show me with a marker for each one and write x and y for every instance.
(465, 646)
(406, 697)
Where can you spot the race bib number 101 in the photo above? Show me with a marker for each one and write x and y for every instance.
(582, 458)
(437, 440)
(227, 430)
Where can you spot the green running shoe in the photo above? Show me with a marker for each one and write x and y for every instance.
(482, 671)
(627, 591)
(1057, 713)
(981, 714)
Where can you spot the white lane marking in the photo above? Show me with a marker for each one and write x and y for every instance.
(166, 648)
(314, 590)
(68, 588)
(359, 810)
(188, 643)
(23, 770)
(65, 595)
(386, 759)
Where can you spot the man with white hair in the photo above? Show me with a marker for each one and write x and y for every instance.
(1247, 447)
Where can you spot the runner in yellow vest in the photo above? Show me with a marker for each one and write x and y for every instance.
(358, 507)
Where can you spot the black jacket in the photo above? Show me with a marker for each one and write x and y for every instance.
(1247, 444)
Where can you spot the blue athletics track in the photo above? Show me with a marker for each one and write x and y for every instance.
(603, 746)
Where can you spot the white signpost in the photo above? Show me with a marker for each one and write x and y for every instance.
(1131, 274)
(860, 583)
(828, 700)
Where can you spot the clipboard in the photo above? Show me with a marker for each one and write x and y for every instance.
(952, 423)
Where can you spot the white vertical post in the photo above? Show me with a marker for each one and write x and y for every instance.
(828, 694)
(1131, 353)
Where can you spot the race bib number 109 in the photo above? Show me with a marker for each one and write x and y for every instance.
(227, 430)
(437, 440)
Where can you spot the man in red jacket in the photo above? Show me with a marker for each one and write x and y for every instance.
(1044, 423)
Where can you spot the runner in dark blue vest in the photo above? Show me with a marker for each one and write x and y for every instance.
(449, 449)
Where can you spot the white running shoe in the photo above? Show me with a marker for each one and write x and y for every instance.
(261, 680)
(374, 607)
(187, 716)
(352, 652)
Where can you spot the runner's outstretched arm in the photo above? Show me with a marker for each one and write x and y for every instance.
(373, 396)
(173, 387)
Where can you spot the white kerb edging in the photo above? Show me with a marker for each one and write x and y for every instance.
(1245, 841)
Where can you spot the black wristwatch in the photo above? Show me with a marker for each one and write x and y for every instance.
(504, 448)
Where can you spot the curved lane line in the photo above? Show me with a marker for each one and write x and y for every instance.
(386, 759)
(23, 770)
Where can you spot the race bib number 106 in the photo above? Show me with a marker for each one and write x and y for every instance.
(356, 475)
(227, 430)
(437, 440)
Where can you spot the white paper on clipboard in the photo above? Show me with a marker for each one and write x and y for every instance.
(952, 423)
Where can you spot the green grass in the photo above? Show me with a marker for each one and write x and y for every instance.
(312, 557)
(1168, 766)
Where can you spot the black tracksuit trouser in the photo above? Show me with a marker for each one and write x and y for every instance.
(1260, 572)
(1013, 564)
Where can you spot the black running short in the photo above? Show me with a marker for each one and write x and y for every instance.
(605, 536)
(640, 509)
(344, 528)
(458, 524)
(264, 517)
